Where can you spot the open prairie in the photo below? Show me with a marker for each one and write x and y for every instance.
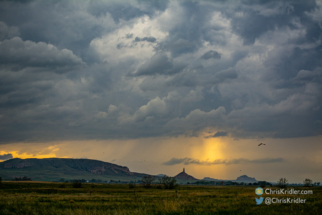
(61, 198)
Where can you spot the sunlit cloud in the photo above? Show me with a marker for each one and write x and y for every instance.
(39, 152)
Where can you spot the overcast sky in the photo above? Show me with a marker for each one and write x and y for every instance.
(157, 71)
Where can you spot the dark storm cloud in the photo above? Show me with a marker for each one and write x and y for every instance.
(188, 35)
(128, 36)
(211, 54)
(252, 22)
(148, 39)
(7, 32)
(306, 76)
(286, 63)
(187, 161)
(218, 134)
(130, 69)
(126, 10)
(29, 54)
(225, 74)
(6, 157)
(67, 26)
(159, 64)
(118, 11)
(204, 77)
(221, 134)
(178, 46)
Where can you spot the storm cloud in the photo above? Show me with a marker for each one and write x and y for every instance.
(187, 161)
(159, 64)
(220, 134)
(6, 157)
(211, 54)
(148, 39)
(16, 52)
(135, 69)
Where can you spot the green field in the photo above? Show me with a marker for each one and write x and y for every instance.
(61, 198)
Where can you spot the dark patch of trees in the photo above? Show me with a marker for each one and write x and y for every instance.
(25, 178)
(168, 182)
(80, 180)
(77, 184)
(63, 185)
(132, 185)
(96, 180)
(147, 181)
(282, 183)
(308, 182)
(204, 182)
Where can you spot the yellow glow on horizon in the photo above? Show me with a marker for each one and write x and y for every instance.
(213, 149)
(15, 154)
(47, 152)
(209, 149)
(148, 155)
(206, 150)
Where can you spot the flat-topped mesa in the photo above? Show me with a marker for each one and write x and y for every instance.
(93, 166)
(18, 164)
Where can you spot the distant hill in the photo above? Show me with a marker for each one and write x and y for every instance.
(245, 178)
(161, 175)
(53, 169)
(209, 179)
(184, 176)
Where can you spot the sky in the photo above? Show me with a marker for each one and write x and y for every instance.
(158, 86)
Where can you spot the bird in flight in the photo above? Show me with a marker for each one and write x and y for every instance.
(261, 144)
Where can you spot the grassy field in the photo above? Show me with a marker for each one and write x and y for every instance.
(60, 198)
